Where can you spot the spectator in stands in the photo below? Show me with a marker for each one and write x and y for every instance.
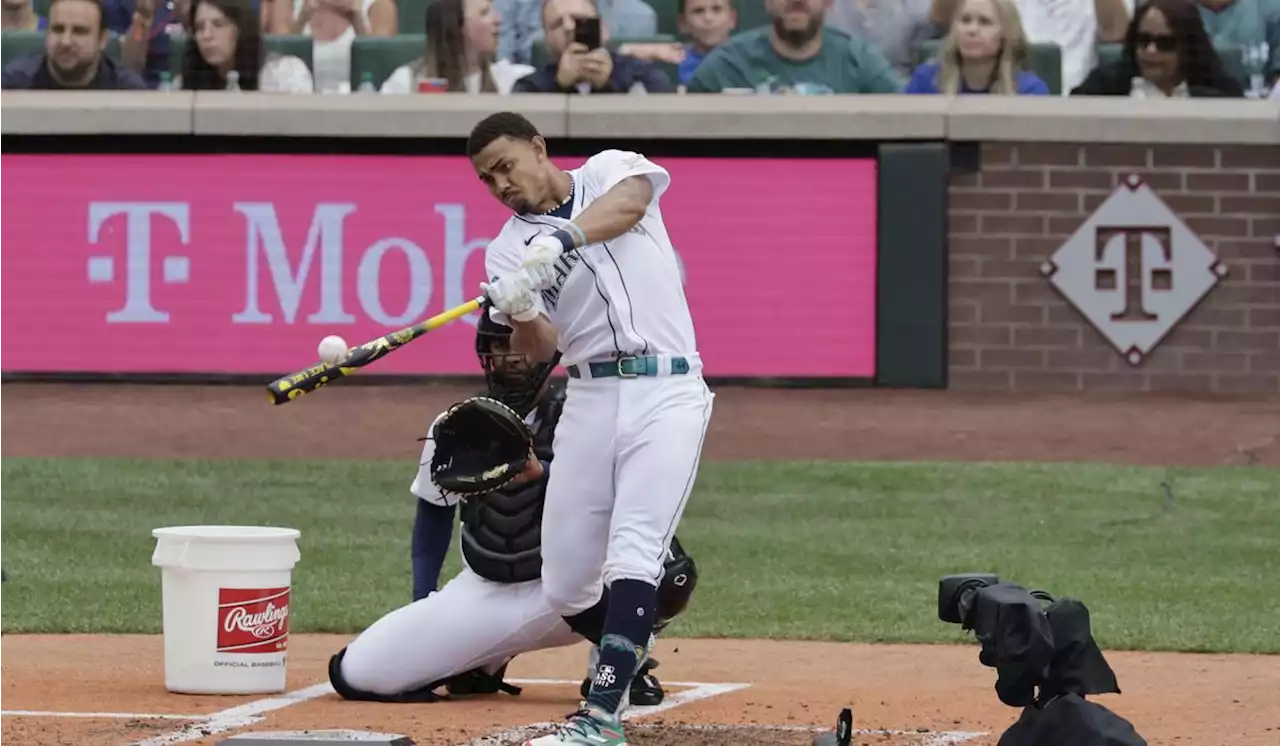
(334, 24)
(1167, 54)
(709, 23)
(462, 36)
(1076, 26)
(140, 24)
(797, 54)
(895, 27)
(984, 52)
(522, 24)
(276, 16)
(227, 36)
(20, 15)
(74, 55)
(573, 67)
(1251, 25)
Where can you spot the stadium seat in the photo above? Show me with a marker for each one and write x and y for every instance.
(412, 15)
(381, 55)
(1046, 61)
(290, 45)
(14, 44)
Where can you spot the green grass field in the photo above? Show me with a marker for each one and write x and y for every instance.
(803, 550)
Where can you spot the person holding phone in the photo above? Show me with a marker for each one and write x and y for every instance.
(581, 62)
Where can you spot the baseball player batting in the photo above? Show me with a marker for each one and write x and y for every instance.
(463, 636)
(584, 269)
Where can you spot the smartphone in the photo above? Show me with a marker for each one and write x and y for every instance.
(586, 31)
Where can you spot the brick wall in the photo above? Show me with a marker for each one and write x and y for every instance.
(1011, 330)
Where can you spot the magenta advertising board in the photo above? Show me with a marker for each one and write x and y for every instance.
(241, 263)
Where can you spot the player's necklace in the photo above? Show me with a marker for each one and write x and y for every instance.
(567, 200)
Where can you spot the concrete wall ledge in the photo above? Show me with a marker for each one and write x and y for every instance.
(689, 117)
(96, 113)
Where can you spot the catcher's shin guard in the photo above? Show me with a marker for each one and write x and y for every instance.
(480, 681)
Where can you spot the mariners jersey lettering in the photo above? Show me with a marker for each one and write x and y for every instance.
(617, 297)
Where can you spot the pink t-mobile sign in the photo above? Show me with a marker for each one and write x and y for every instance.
(241, 263)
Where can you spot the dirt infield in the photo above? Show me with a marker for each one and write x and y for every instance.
(737, 692)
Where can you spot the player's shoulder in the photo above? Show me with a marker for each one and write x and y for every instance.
(616, 157)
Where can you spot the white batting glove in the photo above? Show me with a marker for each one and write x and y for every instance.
(540, 261)
(513, 295)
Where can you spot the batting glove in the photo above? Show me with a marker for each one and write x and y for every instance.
(512, 295)
(540, 261)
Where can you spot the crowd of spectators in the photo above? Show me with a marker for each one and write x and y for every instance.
(1136, 48)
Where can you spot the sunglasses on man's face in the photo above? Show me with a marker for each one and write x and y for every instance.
(1162, 42)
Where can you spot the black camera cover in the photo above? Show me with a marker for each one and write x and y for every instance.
(1016, 638)
(1070, 720)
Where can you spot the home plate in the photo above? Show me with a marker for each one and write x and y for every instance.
(316, 738)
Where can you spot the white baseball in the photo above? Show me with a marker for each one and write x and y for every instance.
(333, 348)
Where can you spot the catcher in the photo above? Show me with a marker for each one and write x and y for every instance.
(490, 455)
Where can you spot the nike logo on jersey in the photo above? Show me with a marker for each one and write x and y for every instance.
(564, 267)
(529, 240)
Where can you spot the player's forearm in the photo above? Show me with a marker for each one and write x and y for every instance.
(536, 339)
(613, 214)
(432, 534)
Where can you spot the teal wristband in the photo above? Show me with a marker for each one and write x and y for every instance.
(582, 235)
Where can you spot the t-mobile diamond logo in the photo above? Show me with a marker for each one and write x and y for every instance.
(1134, 270)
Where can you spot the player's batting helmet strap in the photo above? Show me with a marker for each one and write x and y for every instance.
(679, 578)
(509, 376)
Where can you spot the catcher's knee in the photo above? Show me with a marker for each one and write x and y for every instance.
(363, 684)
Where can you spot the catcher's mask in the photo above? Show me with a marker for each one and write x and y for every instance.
(508, 375)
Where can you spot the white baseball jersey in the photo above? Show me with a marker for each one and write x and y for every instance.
(614, 298)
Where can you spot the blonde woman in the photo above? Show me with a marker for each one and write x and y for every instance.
(984, 52)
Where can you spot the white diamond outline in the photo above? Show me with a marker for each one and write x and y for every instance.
(1215, 269)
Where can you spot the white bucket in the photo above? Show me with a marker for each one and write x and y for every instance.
(226, 607)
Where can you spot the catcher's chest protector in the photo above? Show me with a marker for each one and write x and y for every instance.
(502, 531)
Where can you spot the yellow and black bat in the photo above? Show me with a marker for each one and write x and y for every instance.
(284, 390)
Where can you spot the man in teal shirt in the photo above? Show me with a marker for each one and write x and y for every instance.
(1251, 25)
(796, 54)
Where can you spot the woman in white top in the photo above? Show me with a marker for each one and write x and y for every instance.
(462, 36)
(226, 37)
(333, 25)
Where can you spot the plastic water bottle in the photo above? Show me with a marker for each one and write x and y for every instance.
(166, 82)
(233, 81)
(366, 83)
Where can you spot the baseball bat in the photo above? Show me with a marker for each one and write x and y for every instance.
(286, 389)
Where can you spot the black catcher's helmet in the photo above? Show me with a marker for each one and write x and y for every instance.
(509, 376)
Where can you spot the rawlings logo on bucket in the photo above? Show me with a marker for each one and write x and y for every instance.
(253, 620)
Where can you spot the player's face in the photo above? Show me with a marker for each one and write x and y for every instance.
(505, 361)
(514, 172)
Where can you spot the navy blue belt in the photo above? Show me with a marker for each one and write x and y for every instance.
(631, 367)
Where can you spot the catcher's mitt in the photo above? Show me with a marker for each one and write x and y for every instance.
(481, 445)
